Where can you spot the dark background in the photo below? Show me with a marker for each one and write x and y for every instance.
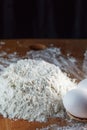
(43, 19)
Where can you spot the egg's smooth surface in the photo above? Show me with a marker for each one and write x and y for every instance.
(82, 84)
(75, 102)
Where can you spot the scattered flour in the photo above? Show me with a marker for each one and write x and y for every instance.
(74, 126)
(85, 64)
(54, 55)
(33, 90)
(2, 43)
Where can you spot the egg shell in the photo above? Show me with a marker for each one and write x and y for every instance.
(75, 102)
(82, 84)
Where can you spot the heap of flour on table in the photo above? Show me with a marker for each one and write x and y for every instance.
(33, 90)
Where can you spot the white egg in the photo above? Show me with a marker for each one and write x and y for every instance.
(75, 102)
(82, 84)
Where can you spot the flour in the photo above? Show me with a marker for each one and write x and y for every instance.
(2, 43)
(33, 90)
(54, 55)
(75, 126)
(85, 64)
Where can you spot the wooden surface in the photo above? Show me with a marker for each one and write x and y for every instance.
(76, 47)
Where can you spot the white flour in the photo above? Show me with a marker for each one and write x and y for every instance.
(85, 64)
(54, 55)
(33, 90)
(74, 126)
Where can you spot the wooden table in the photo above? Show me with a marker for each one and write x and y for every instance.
(76, 47)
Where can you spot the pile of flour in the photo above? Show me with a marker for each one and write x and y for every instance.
(33, 90)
